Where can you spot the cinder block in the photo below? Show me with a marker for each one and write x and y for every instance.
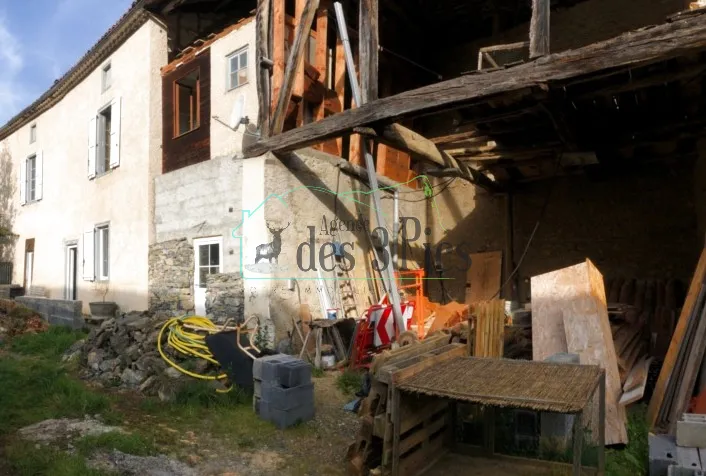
(691, 431)
(285, 418)
(662, 454)
(265, 368)
(283, 398)
(688, 458)
(675, 470)
(294, 373)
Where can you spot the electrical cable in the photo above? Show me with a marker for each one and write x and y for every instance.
(445, 185)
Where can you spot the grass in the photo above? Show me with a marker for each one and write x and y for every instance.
(129, 443)
(50, 344)
(23, 458)
(349, 382)
(633, 459)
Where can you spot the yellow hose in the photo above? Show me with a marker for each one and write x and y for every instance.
(190, 344)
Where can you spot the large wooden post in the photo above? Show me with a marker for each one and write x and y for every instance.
(264, 63)
(369, 48)
(296, 55)
(279, 33)
(539, 28)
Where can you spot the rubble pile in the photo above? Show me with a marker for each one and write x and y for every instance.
(16, 319)
(122, 352)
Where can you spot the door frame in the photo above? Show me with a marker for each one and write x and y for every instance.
(214, 240)
(29, 248)
(70, 245)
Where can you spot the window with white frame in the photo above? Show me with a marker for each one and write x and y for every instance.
(238, 68)
(31, 178)
(104, 139)
(96, 253)
(106, 77)
(33, 133)
(102, 236)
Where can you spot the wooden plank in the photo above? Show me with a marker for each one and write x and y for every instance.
(570, 314)
(420, 460)
(296, 55)
(395, 411)
(634, 388)
(369, 49)
(670, 359)
(637, 47)
(422, 434)
(490, 321)
(279, 39)
(484, 276)
(539, 28)
(262, 72)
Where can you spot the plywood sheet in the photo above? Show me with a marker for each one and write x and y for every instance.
(484, 276)
(570, 314)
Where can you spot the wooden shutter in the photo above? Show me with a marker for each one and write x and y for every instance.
(39, 175)
(23, 181)
(115, 115)
(92, 149)
(89, 267)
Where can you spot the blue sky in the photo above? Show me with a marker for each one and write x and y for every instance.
(41, 39)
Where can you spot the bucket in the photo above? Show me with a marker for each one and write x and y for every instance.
(328, 361)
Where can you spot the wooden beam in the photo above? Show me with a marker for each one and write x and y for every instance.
(638, 47)
(539, 28)
(279, 39)
(262, 71)
(369, 49)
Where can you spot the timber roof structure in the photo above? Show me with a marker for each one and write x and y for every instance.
(538, 386)
(613, 104)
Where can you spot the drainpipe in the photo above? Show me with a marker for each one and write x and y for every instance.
(388, 274)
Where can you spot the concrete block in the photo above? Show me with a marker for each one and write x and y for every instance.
(285, 418)
(662, 454)
(691, 431)
(283, 398)
(676, 470)
(688, 458)
(265, 368)
(294, 373)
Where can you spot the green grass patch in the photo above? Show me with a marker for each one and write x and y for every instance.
(129, 443)
(35, 390)
(199, 393)
(633, 459)
(50, 344)
(318, 373)
(349, 382)
(25, 459)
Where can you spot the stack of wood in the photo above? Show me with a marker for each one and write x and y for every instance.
(423, 425)
(486, 337)
(677, 379)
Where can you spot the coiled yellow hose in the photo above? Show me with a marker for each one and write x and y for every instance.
(190, 343)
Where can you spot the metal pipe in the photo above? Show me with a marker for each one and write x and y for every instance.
(388, 273)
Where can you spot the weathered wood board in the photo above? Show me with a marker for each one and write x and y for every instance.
(484, 276)
(570, 314)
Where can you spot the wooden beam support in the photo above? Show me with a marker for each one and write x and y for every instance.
(279, 41)
(262, 71)
(369, 49)
(295, 57)
(539, 28)
(642, 46)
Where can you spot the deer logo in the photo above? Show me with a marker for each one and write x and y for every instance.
(271, 250)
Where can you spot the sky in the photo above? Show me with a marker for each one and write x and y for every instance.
(40, 40)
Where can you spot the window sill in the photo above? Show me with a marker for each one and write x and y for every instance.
(186, 133)
(32, 202)
(103, 174)
(237, 87)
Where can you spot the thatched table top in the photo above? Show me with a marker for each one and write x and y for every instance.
(539, 386)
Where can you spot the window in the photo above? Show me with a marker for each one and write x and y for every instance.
(33, 133)
(31, 180)
(209, 261)
(104, 132)
(106, 77)
(238, 68)
(186, 103)
(104, 139)
(102, 252)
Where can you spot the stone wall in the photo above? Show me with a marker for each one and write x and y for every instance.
(225, 297)
(171, 277)
(55, 311)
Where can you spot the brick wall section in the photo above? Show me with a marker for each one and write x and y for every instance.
(171, 278)
(584, 23)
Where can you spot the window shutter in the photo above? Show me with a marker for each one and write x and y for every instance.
(89, 269)
(92, 131)
(115, 115)
(39, 175)
(23, 181)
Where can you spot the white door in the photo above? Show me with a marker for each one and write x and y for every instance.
(208, 258)
(71, 268)
(29, 265)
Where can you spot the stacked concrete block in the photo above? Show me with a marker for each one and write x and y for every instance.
(662, 454)
(691, 431)
(284, 393)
